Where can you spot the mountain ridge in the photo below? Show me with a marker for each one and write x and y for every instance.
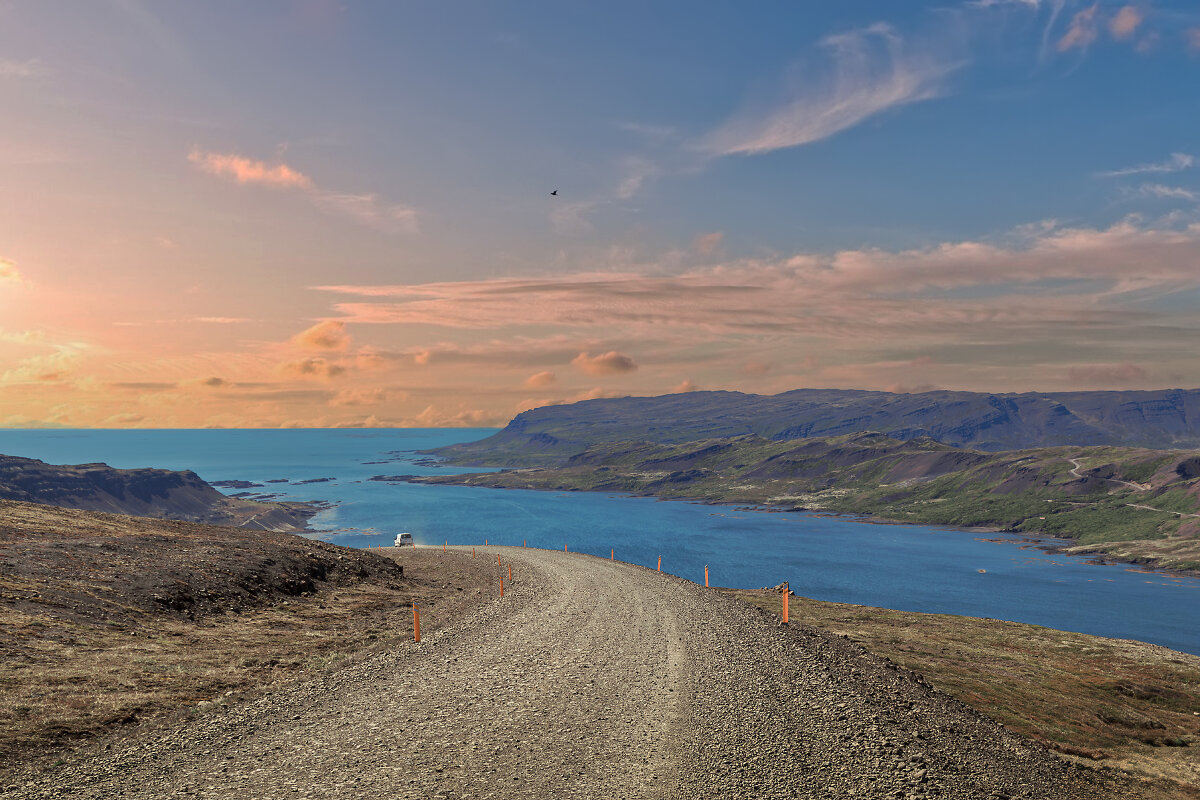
(1156, 419)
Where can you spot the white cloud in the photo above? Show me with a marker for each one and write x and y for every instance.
(872, 70)
(1033, 4)
(1163, 192)
(1176, 163)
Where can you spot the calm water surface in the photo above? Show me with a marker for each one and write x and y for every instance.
(909, 567)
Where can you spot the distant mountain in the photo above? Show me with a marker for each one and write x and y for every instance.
(156, 493)
(1160, 419)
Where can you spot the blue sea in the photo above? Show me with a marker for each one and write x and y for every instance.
(910, 567)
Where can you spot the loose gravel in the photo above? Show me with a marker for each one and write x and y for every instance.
(591, 679)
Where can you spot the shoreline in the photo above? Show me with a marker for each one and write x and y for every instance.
(1094, 553)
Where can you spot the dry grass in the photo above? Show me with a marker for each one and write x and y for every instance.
(1134, 705)
(86, 650)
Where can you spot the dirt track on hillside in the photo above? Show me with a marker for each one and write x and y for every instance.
(593, 680)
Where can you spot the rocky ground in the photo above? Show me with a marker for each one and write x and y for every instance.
(591, 679)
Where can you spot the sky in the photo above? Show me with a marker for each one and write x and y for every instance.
(337, 214)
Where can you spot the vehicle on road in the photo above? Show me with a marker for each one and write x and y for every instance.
(403, 539)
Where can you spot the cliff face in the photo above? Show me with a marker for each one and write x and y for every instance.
(980, 421)
(156, 493)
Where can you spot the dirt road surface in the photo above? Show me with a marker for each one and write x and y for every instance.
(591, 679)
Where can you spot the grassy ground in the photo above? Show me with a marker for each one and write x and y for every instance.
(89, 646)
(1132, 705)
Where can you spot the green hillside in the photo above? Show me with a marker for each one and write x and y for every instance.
(1131, 503)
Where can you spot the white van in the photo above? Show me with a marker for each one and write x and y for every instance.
(403, 539)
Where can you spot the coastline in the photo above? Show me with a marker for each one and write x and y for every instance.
(1096, 553)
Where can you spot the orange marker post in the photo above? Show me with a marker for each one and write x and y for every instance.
(565, 550)
(612, 554)
(706, 576)
(498, 560)
(416, 623)
(523, 543)
(502, 586)
(472, 552)
(444, 545)
(785, 603)
(660, 563)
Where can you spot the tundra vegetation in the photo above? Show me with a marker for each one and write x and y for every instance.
(1132, 504)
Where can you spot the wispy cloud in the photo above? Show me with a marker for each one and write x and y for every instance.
(53, 367)
(368, 209)
(371, 210)
(8, 272)
(21, 69)
(1108, 375)
(870, 71)
(1192, 37)
(1033, 4)
(1163, 192)
(1082, 31)
(633, 174)
(1176, 163)
(1052, 277)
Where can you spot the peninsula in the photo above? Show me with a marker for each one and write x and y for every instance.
(1120, 498)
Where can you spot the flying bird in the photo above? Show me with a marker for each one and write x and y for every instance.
(555, 193)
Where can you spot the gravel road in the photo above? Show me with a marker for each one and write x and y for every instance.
(591, 680)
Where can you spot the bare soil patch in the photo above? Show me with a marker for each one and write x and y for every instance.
(108, 620)
(1129, 704)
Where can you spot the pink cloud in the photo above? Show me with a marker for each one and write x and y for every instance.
(368, 209)
(8, 272)
(1125, 22)
(1081, 32)
(245, 170)
(683, 387)
(219, 320)
(1192, 37)
(610, 363)
(848, 295)
(312, 368)
(706, 244)
(595, 393)
(365, 396)
(434, 417)
(540, 380)
(1108, 374)
(327, 335)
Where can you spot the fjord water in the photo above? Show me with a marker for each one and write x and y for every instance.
(910, 567)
